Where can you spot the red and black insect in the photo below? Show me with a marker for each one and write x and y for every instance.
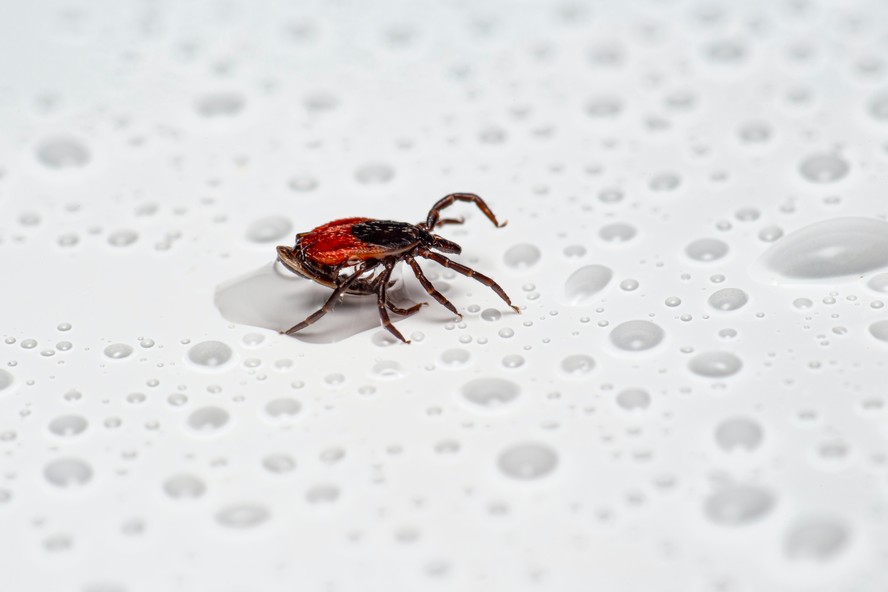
(339, 253)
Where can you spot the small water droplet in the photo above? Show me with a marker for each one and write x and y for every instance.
(243, 515)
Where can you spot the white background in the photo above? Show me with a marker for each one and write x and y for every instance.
(152, 154)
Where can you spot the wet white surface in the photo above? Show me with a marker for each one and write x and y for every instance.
(693, 397)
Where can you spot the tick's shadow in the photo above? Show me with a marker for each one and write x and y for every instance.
(273, 298)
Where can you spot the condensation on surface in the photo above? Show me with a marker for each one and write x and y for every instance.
(693, 395)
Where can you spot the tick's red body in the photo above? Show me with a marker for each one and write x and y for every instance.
(322, 254)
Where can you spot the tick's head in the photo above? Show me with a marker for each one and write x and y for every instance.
(444, 245)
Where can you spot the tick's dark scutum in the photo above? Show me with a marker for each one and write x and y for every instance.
(388, 233)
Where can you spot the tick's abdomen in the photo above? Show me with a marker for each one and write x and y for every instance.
(357, 239)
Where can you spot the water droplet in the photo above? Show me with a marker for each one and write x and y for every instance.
(522, 256)
(122, 238)
(374, 173)
(715, 364)
(283, 408)
(322, 494)
(728, 299)
(220, 104)
(578, 365)
(303, 183)
(180, 487)
(490, 392)
(824, 167)
(585, 283)
(737, 505)
(738, 433)
(527, 461)
(279, 463)
(387, 369)
(879, 330)
(836, 248)
(63, 152)
(879, 283)
(491, 314)
(118, 351)
(636, 335)
(6, 379)
(707, 249)
(243, 515)
(633, 398)
(68, 472)
(618, 232)
(268, 229)
(816, 539)
(210, 354)
(208, 419)
(68, 425)
(455, 357)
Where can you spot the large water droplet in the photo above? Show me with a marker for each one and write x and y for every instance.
(707, 249)
(636, 335)
(879, 330)
(831, 249)
(118, 351)
(715, 364)
(68, 472)
(728, 299)
(208, 419)
(180, 487)
(522, 256)
(738, 433)
(210, 354)
(736, 505)
(68, 425)
(490, 392)
(824, 167)
(527, 461)
(816, 539)
(633, 398)
(6, 379)
(585, 283)
(63, 152)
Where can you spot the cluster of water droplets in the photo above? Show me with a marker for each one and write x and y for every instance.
(697, 243)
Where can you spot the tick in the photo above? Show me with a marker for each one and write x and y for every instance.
(357, 256)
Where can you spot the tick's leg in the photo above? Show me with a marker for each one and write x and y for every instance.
(433, 219)
(381, 302)
(469, 272)
(444, 221)
(417, 270)
(404, 311)
(332, 301)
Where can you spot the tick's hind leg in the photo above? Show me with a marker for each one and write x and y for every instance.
(434, 217)
(469, 272)
(381, 303)
(404, 311)
(417, 270)
(331, 302)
